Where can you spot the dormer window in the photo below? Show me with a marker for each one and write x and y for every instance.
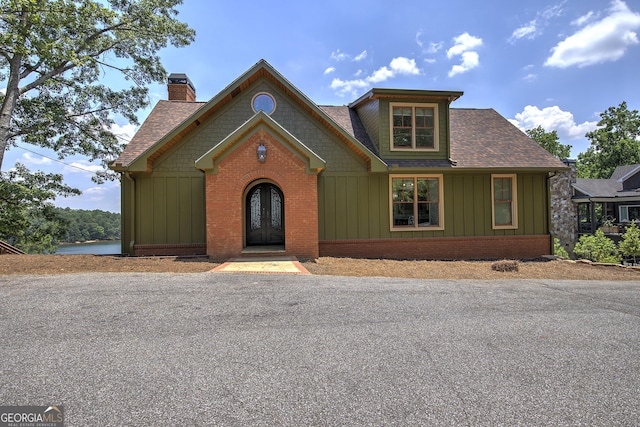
(414, 126)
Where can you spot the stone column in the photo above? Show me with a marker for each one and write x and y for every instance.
(564, 212)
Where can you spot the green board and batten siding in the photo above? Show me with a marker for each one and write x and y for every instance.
(356, 206)
(170, 209)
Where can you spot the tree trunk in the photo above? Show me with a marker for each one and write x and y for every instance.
(9, 104)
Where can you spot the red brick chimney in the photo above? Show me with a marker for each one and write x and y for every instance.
(180, 88)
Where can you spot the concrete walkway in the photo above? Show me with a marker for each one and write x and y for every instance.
(266, 265)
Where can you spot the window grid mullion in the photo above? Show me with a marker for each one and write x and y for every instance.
(413, 128)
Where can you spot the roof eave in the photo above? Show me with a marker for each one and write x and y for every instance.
(379, 93)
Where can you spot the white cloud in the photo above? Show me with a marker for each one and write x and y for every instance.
(470, 60)
(404, 66)
(463, 43)
(601, 41)
(349, 86)
(339, 56)
(431, 47)
(527, 30)
(81, 166)
(360, 57)
(380, 75)
(463, 47)
(434, 47)
(125, 132)
(329, 70)
(530, 77)
(533, 28)
(30, 160)
(397, 67)
(105, 197)
(583, 19)
(552, 118)
(553, 11)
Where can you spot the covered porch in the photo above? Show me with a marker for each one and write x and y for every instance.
(612, 216)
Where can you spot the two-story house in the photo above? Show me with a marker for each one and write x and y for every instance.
(394, 174)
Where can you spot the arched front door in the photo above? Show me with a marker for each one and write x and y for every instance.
(265, 215)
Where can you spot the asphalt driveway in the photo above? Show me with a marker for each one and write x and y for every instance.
(232, 349)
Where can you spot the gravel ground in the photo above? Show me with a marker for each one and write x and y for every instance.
(235, 350)
(481, 270)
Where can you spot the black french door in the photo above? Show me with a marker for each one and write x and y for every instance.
(265, 215)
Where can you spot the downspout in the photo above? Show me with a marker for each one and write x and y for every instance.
(132, 210)
(450, 100)
(549, 209)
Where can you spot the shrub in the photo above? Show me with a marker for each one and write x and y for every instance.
(630, 244)
(559, 250)
(505, 265)
(597, 248)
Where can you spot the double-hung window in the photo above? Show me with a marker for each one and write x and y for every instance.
(414, 126)
(503, 194)
(416, 202)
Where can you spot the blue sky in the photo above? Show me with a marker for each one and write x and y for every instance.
(556, 64)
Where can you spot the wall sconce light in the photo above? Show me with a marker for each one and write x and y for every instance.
(262, 153)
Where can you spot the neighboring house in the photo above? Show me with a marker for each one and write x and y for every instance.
(616, 199)
(395, 174)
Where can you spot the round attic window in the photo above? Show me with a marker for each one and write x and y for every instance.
(263, 102)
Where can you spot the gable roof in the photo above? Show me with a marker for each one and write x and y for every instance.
(149, 146)
(622, 173)
(165, 116)
(482, 138)
(260, 120)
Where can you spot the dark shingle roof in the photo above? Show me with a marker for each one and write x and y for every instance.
(482, 138)
(348, 119)
(621, 171)
(598, 187)
(611, 187)
(164, 117)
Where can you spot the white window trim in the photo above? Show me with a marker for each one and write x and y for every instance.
(626, 208)
(440, 225)
(514, 202)
(436, 133)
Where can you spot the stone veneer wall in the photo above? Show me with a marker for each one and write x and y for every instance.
(564, 212)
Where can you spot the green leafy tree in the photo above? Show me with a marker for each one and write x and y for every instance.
(28, 219)
(597, 248)
(630, 244)
(82, 225)
(550, 142)
(53, 57)
(616, 142)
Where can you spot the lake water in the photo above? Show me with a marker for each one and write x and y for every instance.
(97, 248)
